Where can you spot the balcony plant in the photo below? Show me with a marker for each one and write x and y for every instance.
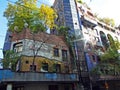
(109, 63)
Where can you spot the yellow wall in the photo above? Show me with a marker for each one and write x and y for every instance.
(38, 62)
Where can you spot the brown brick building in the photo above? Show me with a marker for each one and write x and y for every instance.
(44, 50)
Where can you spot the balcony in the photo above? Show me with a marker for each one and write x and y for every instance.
(105, 77)
(9, 76)
(89, 21)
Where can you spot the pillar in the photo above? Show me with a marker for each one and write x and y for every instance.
(9, 87)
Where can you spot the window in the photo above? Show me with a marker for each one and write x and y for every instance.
(32, 67)
(17, 47)
(57, 68)
(65, 1)
(56, 52)
(27, 62)
(67, 69)
(44, 67)
(96, 32)
(93, 58)
(64, 55)
(88, 47)
(10, 38)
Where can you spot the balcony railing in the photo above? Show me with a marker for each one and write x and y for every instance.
(8, 76)
(89, 20)
(105, 77)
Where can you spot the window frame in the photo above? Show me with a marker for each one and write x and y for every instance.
(56, 52)
(18, 47)
(32, 66)
(57, 68)
(44, 65)
(64, 55)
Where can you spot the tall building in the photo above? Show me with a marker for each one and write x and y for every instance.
(92, 36)
(45, 60)
(68, 15)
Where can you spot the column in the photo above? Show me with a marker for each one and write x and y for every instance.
(9, 86)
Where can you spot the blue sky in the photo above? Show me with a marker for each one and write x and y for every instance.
(3, 24)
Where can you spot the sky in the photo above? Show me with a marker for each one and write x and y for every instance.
(3, 25)
(104, 8)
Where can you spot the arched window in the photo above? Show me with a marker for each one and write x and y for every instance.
(104, 39)
(18, 47)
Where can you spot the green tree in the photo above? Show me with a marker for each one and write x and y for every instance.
(110, 63)
(79, 1)
(10, 60)
(69, 37)
(112, 52)
(108, 21)
(65, 31)
(27, 12)
(62, 30)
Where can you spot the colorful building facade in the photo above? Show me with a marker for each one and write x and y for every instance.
(92, 36)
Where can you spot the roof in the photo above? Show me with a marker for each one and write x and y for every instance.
(40, 36)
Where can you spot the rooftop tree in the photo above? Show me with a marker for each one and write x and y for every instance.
(80, 1)
(24, 12)
(108, 21)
